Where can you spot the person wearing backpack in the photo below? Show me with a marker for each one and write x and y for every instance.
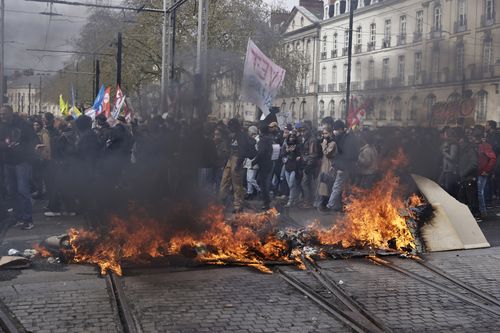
(240, 147)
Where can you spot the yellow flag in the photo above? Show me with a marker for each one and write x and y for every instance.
(63, 107)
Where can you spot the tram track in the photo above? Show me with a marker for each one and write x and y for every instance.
(117, 294)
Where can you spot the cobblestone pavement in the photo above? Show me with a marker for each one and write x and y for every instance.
(74, 300)
(224, 300)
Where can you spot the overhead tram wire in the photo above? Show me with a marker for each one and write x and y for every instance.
(47, 71)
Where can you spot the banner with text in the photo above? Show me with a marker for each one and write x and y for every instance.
(261, 79)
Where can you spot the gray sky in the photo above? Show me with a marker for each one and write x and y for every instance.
(26, 28)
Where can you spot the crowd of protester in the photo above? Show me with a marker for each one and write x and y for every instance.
(315, 168)
(74, 163)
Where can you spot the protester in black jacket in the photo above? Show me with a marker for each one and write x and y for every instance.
(17, 145)
(265, 163)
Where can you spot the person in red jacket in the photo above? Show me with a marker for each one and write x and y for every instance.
(487, 159)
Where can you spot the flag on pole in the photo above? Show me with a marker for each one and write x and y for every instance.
(106, 105)
(63, 106)
(74, 111)
(119, 105)
(261, 79)
(97, 107)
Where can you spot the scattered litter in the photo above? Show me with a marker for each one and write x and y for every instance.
(14, 262)
(229, 305)
(309, 251)
(29, 253)
(341, 282)
(52, 260)
(14, 252)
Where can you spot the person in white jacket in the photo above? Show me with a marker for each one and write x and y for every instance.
(252, 186)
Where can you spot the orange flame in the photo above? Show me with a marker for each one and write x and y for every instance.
(373, 218)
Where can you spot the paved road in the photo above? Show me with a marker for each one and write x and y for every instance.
(60, 298)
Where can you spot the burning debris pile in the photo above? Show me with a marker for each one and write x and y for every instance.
(377, 219)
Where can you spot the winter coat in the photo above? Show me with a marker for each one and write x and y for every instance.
(291, 158)
(329, 151)
(450, 157)
(248, 161)
(348, 152)
(44, 139)
(467, 161)
(486, 158)
(368, 160)
(264, 153)
(17, 141)
(310, 155)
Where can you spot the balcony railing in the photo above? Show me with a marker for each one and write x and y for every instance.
(342, 86)
(401, 39)
(323, 55)
(371, 46)
(332, 87)
(383, 83)
(334, 54)
(344, 51)
(322, 88)
(386, 43)
(435, 33)
(487, 21)
(370, 84)
(417, 37)
(357, 48)
(356, 85)
(397, 82)
(460, 26)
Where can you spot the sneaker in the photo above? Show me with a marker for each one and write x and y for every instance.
(289, 204)
(52, 214)
(28, 226)
(18, 224)
(68, 214)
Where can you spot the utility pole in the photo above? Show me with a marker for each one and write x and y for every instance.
(166, 53)
(29, 99)
(119, 61)
(201, 60)
(97, 78)
(349, 61)
(3, 88)
(40, 100)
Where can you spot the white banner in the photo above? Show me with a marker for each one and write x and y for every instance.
(261, 79)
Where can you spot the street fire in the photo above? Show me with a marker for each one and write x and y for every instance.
(374, 219)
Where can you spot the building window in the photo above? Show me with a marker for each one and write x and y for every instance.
(489, 10)
(373, 33)
(462, 13)
(335, 37)
(398, 109)
(358, 36)
(283, 106)
(346, 70)
(334, 74)
(387, 33)
(402, 28)
(292, 109)
(323, 75)
(430, 102)
(302, 110)
(385, 69)
(435, 64)
(482, 107)
(438, 15)
(371, 70)
(370, 111)
(321, 109)
(325, 40)
(460, 61)
(382, 110)
(401, 68)
(418, 65)
(346, 38)
(413, 109)
(358, 71)
(308, 50)
(343, 111)
(419, 28)
(487, 54)
(331, 108)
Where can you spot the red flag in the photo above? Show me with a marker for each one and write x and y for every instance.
(106, 105)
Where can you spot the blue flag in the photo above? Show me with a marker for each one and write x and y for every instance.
(98, 101)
